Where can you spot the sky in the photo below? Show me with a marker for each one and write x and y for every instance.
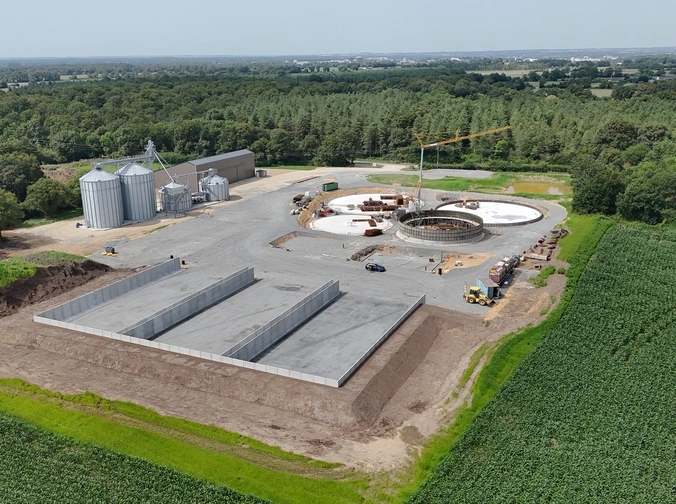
(91, 28)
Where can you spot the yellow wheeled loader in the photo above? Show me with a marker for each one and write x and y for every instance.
(476, 296)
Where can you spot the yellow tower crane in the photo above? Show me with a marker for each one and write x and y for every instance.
(457, 138)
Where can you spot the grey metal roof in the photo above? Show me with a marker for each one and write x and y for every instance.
(96, 175)
(220, 157)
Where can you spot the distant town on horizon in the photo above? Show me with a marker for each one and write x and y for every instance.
(517, 54)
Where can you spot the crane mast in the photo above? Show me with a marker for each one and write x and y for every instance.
(455, 139)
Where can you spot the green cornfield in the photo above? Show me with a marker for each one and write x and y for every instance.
(590, 415)
(37, 466)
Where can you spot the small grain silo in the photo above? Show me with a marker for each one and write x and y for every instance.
(138, 192)
(215, 187)
(101, 199)
(175, 197)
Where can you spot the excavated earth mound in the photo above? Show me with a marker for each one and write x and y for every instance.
(47, 283)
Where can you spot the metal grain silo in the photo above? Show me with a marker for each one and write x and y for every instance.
(138, 192)
(101, 199)
(175, 197)
(215, 187)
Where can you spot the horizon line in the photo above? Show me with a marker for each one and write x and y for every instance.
(349, 53)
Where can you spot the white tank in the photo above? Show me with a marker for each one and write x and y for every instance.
(138, 192)
(215, 188)
(175, 197)
(101, 199)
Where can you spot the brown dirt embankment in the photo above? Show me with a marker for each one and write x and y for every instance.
(47, 283)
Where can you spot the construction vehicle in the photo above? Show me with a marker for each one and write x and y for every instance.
(503, 268)
(476, 296)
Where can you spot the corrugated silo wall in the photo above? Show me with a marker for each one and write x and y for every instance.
(138, 197)
(102, 203)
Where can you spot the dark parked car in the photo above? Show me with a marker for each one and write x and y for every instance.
(374, 267)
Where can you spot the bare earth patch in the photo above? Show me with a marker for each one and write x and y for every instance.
(398, 398)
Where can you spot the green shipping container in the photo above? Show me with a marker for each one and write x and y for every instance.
(330, 187)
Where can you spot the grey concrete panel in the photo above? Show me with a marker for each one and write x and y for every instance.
(222, 326)
(283, 324)
(186, 307)
(140, 304)
(380, 341)
(89, 301)
(347, 331)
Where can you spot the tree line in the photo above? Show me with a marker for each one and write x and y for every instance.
(334, 118)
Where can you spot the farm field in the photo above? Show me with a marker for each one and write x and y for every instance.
(274, 476)
(197, 451)
(588, 416)
(42, 467)
(602, 93)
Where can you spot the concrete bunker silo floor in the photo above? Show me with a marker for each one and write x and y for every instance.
(330, 344)
(230, 321)
(139, 303)
(333, 341)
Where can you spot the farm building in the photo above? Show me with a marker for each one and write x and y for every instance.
(234, 166)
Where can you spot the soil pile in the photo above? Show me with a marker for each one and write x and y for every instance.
(47, 283)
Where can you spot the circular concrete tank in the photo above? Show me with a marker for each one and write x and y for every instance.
(369, 204)
(101, 199)
(439, 226)
(496, 213)
(350, 225)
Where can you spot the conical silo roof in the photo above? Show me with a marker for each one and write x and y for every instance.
(174, 188)
(215, 179)
(132, 169)
(97, 175)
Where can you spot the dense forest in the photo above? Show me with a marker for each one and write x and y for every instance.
(620, 150)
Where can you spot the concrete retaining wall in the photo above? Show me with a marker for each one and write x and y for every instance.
(193, 353)
(303, 310)
(380, 341)
(269, 334)
(189, 306)
(112, 291)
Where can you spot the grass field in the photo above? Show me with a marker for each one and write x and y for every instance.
(68, 214)
(602, 93)
(203, 452)
(588, 417)
(15, 268)
(497, 183)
